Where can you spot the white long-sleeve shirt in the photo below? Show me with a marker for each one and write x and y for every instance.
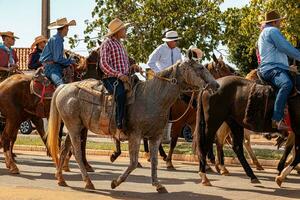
(163, 57)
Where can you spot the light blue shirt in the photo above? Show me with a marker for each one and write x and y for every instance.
(274, 49)
(54, 51)
(163, 57)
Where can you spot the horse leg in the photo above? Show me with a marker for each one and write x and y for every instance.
(220, 139)
(286, 171)
(39, 124)
(169, 158)
(76, 145)
(64, 151)
(146, 149)
(162, 152)
(88, 167)
(9, 134)
(238, 138)
(117, 152)
(134, 142)
(288, 148)
(250, 151)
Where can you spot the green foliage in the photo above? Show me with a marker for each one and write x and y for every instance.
(242, 28)
(197, 22)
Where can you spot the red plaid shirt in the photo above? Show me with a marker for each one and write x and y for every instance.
(114, 60)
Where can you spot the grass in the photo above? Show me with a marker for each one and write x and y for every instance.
(181, 148)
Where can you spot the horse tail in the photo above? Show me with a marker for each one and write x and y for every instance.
(53, 128)
(199, 133)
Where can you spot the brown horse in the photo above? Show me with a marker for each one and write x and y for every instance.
(214, 109)
(17, 104)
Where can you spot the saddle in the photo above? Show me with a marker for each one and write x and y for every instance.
(43, 88)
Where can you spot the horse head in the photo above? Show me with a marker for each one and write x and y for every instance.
(191, 73)
(80, 61)
(218, 68)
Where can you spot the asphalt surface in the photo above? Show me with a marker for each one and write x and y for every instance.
(36, 182)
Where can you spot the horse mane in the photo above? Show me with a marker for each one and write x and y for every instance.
(166, 73)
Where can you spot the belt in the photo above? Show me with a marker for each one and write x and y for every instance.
(48, 63)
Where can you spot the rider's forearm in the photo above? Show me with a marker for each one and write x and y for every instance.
(4, 69)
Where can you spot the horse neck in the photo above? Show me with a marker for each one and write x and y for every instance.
(162, 92)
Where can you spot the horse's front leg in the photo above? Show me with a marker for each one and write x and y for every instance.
(134, 142)
(287, 170)
(249, 150)
(117, 152)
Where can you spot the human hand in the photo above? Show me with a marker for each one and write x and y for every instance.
(293, 68)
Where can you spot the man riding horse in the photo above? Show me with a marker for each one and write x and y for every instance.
(53, 54)
(274, 68)
(114, 62)
(8, 56)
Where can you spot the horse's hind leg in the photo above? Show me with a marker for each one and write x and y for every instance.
(146, 149)
(287, 170)
(134, 142)
(88, 167)
(287, 149)
(162, 152)
(238, 138)
(250, 151)
(117, 152)
(169, 158)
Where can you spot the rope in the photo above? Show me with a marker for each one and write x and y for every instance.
(185, 112)
(172, 80)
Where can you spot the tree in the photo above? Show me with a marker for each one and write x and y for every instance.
(196, 21)
(241, 29)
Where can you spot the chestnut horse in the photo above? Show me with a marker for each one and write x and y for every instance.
(17, 104)
(215, 109)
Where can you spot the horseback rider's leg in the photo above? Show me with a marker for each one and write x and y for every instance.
(54, 73)
(280, 78)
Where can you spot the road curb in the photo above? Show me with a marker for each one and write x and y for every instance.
(177, 157)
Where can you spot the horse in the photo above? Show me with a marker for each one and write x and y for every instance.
(214, 109)
(147, 116)
(17, 104)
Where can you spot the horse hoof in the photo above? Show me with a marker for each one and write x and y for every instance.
(112, 158)
(139, 165)
(89, 168)
(66, 169)
(206, 183)
(278, 181)
(218, 169)
(259, 167)
(255, 180)
(224, 172)
(171, 168)
(90, 186)
(14, 171)
(113, 184)
(62, 184)
(161, 190)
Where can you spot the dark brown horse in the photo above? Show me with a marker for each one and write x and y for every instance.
(229, 104)
(17, 104)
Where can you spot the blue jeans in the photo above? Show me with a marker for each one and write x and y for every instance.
(120, 98)
(281, 79)
(55, 73)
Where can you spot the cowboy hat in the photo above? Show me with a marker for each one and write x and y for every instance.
(38, 40)
(114, 26)
(171, 36)
(271, 17)
(8, 34)
(61, 23)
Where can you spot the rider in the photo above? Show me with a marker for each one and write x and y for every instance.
(8, 56)
(37, 47)
(115, 65)
(52, 57)
(274, 67)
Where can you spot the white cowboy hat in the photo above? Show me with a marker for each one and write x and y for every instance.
(114, 26)
(38, 40)
(171, 36)
(8, 34)
(61, 23)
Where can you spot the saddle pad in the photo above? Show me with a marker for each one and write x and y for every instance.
(92, 86)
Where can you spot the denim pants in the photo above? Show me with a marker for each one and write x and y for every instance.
(281, 79)
(55, 73)
(120, 98)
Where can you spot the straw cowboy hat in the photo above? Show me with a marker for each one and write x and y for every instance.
(38, 40)
(272, 16)
(9, 34)
(114, 26)
(61, 23)
(171, 36)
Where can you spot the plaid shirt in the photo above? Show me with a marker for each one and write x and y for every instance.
(114, 60)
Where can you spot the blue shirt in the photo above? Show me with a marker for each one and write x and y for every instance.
(54, 51)
(163, 57)
(274, 49)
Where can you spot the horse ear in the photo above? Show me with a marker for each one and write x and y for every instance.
(215, 58)
(99, 42)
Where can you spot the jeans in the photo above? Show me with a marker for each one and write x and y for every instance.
(120, 98)
(55, 73)
(281, 79)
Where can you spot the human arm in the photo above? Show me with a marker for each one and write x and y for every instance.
(153, 58)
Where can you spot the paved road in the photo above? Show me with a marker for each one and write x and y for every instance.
(36, 182)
